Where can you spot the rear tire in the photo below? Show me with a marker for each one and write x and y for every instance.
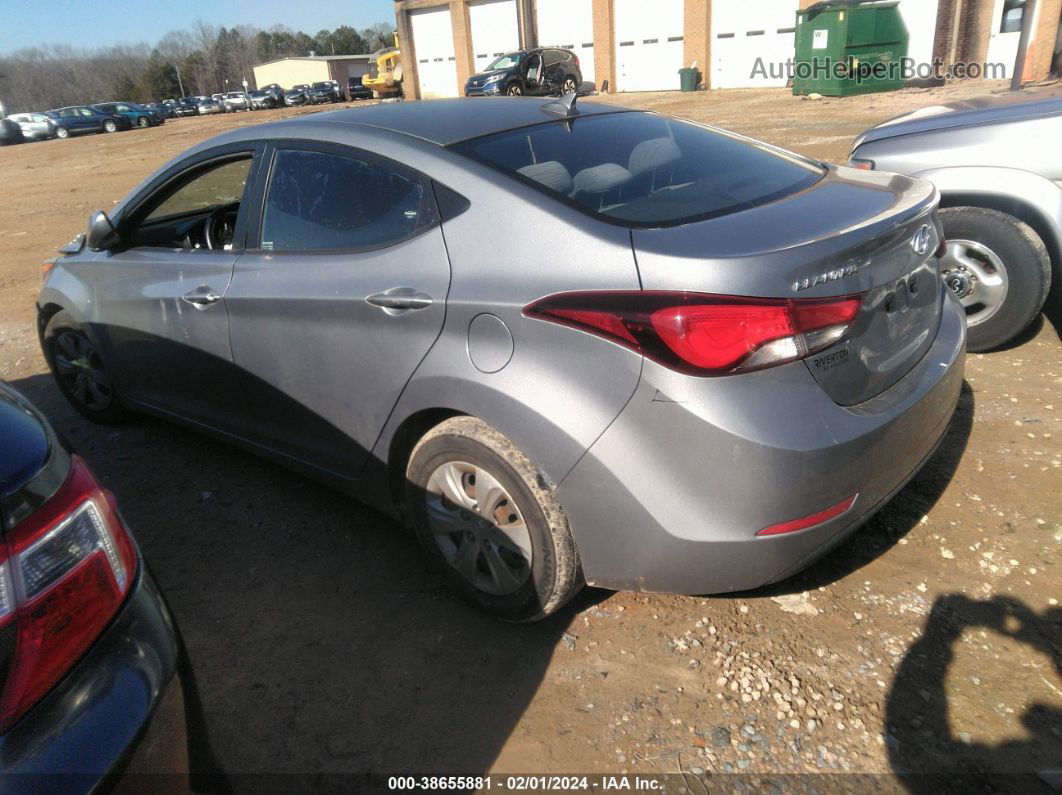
(999, 268)
(80, 372)
(481, 538)
(143, 123)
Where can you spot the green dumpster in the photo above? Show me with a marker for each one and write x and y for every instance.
(688, 78)
(846, 47)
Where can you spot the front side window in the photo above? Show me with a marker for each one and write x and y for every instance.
(643, 169)
(215, 187)
(321, 201)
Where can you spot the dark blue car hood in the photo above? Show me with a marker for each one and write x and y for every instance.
(24, 442)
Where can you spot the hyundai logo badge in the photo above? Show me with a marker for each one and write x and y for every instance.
(922, 240)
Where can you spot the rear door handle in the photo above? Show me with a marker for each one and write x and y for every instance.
(201, 297)
(399, 300)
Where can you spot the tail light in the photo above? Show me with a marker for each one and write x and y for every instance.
(64, 572)
(702, 334)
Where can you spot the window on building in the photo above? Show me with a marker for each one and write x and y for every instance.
(1013, 14)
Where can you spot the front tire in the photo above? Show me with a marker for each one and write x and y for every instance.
(487, 517)
(514, 90)
(1000, 270)
(110, 125)
(80, 371)
(143, 123)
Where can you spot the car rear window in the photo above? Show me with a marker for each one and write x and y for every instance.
(642, 169)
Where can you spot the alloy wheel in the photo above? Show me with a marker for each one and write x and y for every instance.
(110, 126)
(978, 278)
(478, 528)
(570, 87)
(514, 91)
(80, 369)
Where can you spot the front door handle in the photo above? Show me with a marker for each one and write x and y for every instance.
(399, 300)
(201, 297)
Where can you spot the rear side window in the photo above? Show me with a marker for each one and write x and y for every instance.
(321, 201)
(642, 169)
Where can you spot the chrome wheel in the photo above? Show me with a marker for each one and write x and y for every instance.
(80, 370)
(478, 528)
(110, 126)
(978, 278)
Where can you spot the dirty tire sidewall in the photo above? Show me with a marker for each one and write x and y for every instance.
(59, 323)
(555, 571)
(1028, 270)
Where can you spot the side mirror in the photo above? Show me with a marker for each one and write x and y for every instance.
(101, 232)
(586, 88)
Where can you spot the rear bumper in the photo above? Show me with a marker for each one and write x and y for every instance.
(119, 711)
(670, 498)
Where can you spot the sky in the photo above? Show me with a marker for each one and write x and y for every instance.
(90, 24)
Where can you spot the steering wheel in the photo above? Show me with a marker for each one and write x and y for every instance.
(219, 227)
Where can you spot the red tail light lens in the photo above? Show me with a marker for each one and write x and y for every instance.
(704, 334)
(64, 572)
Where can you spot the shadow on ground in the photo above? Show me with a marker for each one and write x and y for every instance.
(923, 747)
(322, 643)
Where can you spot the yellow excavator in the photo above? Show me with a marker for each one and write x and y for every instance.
(385, 72)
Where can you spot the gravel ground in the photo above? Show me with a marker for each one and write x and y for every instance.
(931, 642)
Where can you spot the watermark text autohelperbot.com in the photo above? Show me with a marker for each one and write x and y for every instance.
(823, 68)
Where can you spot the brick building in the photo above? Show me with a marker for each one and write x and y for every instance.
(639, 45)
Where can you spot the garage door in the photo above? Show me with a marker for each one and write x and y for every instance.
(495, 30)
(569, 24)
(649, 44)
(433, 44)
(743, 32)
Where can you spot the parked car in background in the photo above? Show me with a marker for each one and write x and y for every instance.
(234, 101)
(187, 106)
(298, 95)
(274, 89)
(208, 106)
(535, 72)
(330, 88)
(164, 110)
(264, 100)
(357, 90)
(88, 648)
(81, 119)
(996, 163)
(35, 126)
(708, 403)
(138, 115)
(10, 132)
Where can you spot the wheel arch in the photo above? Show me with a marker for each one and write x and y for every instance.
(405, 437)
(1028, 197)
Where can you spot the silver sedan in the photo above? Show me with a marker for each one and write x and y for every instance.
(568, 343)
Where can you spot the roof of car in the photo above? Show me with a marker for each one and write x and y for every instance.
(446, 121)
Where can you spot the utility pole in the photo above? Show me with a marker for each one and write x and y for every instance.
(179, 83)
(1028, 18)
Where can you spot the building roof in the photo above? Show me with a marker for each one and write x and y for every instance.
(446, 121)
(355, 57)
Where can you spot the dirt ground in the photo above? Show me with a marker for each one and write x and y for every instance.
(321, 644)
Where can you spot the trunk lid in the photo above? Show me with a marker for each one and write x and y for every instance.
(873, 234)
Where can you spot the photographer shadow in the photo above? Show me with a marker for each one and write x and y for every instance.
(924, 750)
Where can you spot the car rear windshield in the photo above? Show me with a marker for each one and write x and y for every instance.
(643, 169)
